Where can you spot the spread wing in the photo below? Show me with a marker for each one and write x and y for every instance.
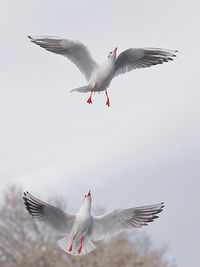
(119, 220)
(134, 58)
(72, 49)
(53, 217)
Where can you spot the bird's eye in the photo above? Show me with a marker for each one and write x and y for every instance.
(85, 195)
(110, 52)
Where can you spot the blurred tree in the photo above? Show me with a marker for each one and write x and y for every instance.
(23, 242)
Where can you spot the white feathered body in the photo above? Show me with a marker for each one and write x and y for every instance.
(102, 77)
(80, 228)
(82, 221)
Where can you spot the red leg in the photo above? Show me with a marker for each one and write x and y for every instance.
(70, 249)
(108, 101)
(79, 250)
(89, 101)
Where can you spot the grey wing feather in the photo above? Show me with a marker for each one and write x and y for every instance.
(119, 220)
(53, 217)
(134, 58)
(74, 50)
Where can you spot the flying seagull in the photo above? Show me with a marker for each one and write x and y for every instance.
(81, 229)
(99, 76)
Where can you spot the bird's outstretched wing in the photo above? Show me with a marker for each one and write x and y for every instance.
(53, 217)
(119, 220)
(74, 50)
(134, 58)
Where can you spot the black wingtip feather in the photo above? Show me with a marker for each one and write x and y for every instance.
(34, 208)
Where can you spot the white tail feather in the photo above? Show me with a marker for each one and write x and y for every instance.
(82, 89)
(87, 246)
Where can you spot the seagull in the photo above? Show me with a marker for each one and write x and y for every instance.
(80, 230)
(99, 76)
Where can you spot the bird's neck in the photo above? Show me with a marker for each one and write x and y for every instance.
(108, 62)
(107, 65)
(86, 207)
(111, 60)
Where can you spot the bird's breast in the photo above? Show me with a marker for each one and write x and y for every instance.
(101, 79)
(81, 224)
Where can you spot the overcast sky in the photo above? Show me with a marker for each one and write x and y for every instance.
(142, 150)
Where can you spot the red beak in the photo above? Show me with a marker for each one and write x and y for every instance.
(89, 195)
(115, 50)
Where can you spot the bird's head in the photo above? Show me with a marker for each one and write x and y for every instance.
(112, 55)
(87, 201)
(88, 196)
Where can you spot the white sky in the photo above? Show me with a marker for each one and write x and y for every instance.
(142, 150)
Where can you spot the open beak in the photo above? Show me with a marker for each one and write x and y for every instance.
(115, 50)
(89, 195)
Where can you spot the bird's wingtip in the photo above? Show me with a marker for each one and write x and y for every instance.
(162, 204)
